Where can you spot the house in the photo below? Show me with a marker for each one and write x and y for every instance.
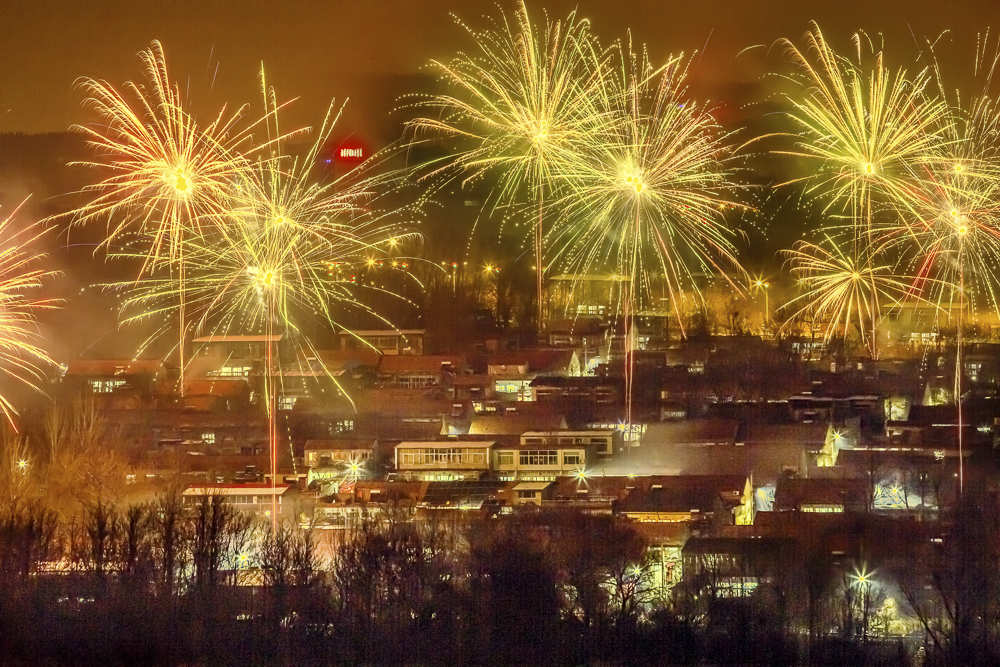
(236, 356)
(105, 376)
(389, 342)
(729, 567)
(600, 442)
(932, 427)
(689, 358)
(688, 499)
(773, 451)
(512, 372)
(585, 390)
(462, 495)
(579, 332)
(442, 460)
(691, 433)
(506, 426)
(830, 495)
(719, 446)
(398, 494)
(319, 453)
(391, 413)
(413, 371)
(811, 408)
(216, 395)
(589, 493)
(478, 389)
(530, 492)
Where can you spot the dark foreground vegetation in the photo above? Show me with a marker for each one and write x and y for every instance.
(167, 583)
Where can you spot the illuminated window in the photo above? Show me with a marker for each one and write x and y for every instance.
(383, 342)
(442, 457)
(505, 458)
(208, 437)
(572, 458)
(286, 402)
(417, 381)
(539, 457)
(341, 426)
(234, 372)
(822, 508)
(519, 389)
(105, 386)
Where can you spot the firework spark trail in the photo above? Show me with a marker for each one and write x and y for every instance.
(645, 195)
(864, 129)
(512, 106)
(23, 357)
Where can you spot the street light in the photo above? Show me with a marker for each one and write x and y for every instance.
(761, 285)
(862, 577)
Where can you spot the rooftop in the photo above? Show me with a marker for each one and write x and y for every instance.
(403, 363)
(255, 489)
(532, 486)
(258, 338)
(444, 444)
(113, 366)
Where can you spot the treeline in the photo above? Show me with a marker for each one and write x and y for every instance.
(170, 583)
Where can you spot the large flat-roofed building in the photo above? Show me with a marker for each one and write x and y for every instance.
(418, 371)
(539, 461)
(236, 356)
(253, 498)
(601, 442)
(106, 376)
(447, 460)
(330, 452)
(386, 341)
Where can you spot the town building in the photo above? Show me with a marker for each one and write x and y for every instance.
(448, 460)
(258, 499)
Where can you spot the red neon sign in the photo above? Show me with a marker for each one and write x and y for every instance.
(351, 153)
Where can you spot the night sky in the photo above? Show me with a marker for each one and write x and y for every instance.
(371, 51)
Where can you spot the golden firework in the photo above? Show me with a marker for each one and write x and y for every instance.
(161, 173)
(646, 196)
(861, 126)
(844, 293)
(646, 191)
(23, 357)
(511, 109)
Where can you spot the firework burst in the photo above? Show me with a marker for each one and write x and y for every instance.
(512, 108)
(840, 291)
(162, 172)
(861, 126)
(645, 196)
(23, 358)
(271, 262)
(950, 235)
(863, 129)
